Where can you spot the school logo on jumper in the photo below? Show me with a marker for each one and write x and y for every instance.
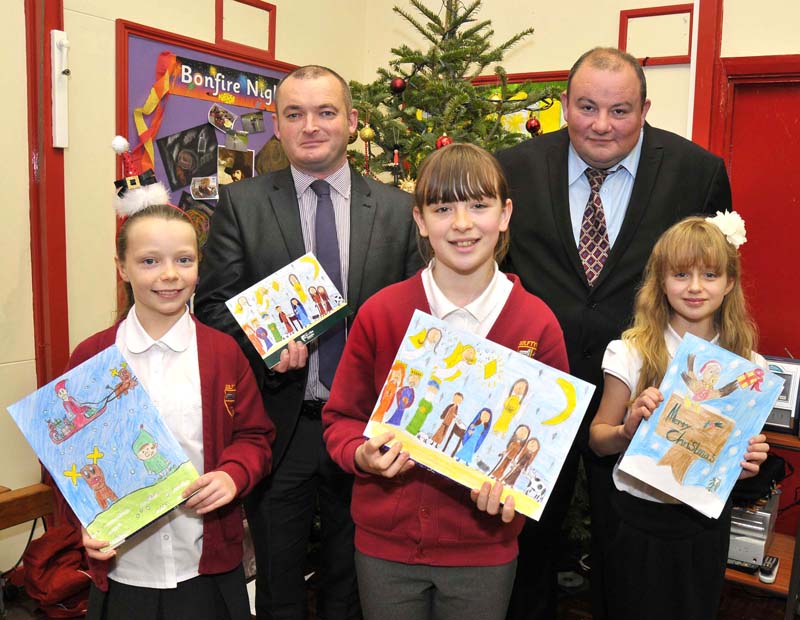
(230, 398)
(528, 347)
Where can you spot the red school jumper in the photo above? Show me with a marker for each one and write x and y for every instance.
(237, 443)
(421, 517)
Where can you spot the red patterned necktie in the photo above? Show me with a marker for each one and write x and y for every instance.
(593, 246)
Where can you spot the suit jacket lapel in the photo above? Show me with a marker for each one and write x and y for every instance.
(558, 167)
(362, 217)
(287, 212)
(646, 175)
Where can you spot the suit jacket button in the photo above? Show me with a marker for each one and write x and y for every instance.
(593, 305)
(587, 354)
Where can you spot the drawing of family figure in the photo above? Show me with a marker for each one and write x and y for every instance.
(519, 453)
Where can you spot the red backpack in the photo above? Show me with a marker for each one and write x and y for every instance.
(55, 567)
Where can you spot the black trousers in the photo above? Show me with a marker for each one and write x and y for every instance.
(205, 597)
(665, 561)
(280, 512)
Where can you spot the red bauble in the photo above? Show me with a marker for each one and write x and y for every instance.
(533, 126)
(443, 140)
(397, 85)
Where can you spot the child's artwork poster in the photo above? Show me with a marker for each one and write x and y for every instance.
(297, 302)
(104, 443)
(475, 411)
(692, 446)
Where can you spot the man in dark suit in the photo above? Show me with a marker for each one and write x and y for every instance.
(586, 263)
(259, 226)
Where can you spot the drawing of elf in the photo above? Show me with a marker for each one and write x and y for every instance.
(522, 462)
(146, 450)
(514, 447)
(405, 397)
(425, 407)
(396, 377)
(475, 434)
(511, 406)
(448, 417)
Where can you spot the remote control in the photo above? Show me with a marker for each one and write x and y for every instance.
(769, 569)
(746, 567)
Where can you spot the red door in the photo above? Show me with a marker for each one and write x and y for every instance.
(764, 162)
(758, 133)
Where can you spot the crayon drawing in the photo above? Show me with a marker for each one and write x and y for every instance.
(297, 302)
(104, 443)
(474, 411)
(692, 446)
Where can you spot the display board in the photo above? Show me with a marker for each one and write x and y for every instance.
(198, 116)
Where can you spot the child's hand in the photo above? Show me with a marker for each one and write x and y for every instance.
(214, 490)
(756, 454)
(371, 460)
(642, 408)
(93, 547)
(294, 356)
(488, 500)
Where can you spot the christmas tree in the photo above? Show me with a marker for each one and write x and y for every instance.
(427, 99)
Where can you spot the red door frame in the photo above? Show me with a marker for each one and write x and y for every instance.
(46, 193)
(707, 68)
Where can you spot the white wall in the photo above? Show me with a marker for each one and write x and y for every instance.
(17, 356)
(760, 28)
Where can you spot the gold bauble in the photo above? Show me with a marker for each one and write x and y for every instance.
(367, 133)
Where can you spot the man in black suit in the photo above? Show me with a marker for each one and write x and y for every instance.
(260, 225)
(652, 179)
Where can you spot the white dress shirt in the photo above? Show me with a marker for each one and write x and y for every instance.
(478, 316)
(168, 550)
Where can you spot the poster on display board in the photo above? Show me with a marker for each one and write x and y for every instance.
(199, 116)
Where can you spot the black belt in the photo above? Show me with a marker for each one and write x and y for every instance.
(312, 409)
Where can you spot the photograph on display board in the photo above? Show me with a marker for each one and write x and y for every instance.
(106, 447)
(234, 165)
(221, 119)
(297, 302)
(253, 122)
(199, 213)
(475, 411)
(204, 188)
(692, 445)
(187, 154)
(237, 140)
(170, 84)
